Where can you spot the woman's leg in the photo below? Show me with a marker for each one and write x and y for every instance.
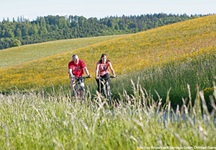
(98, 85)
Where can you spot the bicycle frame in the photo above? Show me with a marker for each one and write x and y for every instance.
(79, 89)
(105, 90)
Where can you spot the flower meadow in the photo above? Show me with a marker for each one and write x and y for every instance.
(129, 53)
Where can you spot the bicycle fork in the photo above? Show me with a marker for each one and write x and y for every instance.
(105, 90)
(79, 91)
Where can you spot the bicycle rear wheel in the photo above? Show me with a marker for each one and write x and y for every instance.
(108, 93)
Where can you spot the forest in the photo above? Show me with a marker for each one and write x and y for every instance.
(48, 28)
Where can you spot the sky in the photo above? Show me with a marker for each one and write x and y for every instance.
(31, 9)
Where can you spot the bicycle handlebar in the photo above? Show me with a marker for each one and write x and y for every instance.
(86, 77)
(83, 77)
(113, 76)
(108, 78)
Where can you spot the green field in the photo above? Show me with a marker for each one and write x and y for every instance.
(23, 54)
(166, 70)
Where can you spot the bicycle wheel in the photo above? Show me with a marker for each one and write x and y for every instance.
(108, 93)
(75, 92)
(101, 88)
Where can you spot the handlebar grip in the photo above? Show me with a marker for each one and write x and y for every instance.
(113, 76)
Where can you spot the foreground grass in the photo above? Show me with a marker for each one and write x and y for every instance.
(36, 121)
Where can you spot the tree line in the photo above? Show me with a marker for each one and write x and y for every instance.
(22, 31)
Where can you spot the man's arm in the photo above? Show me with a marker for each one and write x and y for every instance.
(87, 72)
(70, 72)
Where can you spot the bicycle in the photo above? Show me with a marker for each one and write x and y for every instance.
(79, 88)
(105, 90)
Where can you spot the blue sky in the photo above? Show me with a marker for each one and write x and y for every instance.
(30, 9)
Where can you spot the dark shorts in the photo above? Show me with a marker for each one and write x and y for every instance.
(105, 77)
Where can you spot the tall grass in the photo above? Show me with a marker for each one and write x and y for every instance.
(194, 73)
(34, 121)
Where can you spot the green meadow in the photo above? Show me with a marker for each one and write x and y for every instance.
(19, 55)
(164, 95)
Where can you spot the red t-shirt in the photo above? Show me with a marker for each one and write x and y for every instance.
(77, 69)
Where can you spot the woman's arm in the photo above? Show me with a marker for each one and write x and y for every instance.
(97, 75)
(112, 70)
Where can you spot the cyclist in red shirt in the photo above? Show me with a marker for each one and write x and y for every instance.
(76, 69)
(102, 70)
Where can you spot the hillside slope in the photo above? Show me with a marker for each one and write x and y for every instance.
(128, 53)
(17, 55)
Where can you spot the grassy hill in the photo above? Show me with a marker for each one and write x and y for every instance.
(129, 53)
(18, 55)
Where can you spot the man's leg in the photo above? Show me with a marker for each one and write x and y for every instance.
(72, 84)
(82, 92)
